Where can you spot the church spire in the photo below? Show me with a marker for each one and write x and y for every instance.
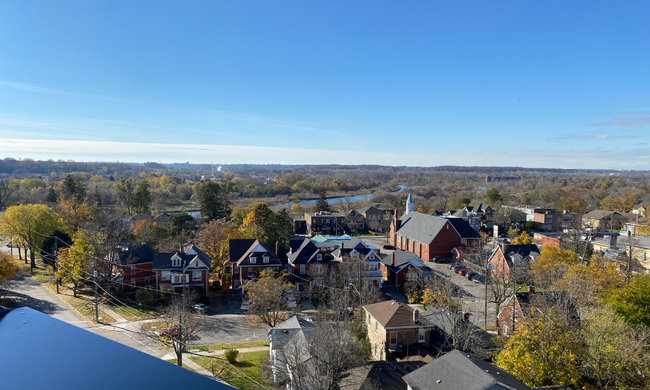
(409, 204)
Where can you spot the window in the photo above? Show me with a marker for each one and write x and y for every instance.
(375, 350)
(266, 259)
(197, 275)
(133, 270)
(179, 278)
(393, 340)
(463, 241)
(164, 275)
(376, 327)
(319, 257)
(422, 336)
(302, 268)
(253, 260)
(505, 330)
(176, 262)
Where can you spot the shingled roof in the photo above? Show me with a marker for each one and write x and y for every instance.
(458, 371)
(393, 314)
(424, 228)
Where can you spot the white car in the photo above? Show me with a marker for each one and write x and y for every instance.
(245, 306)
(291, 302)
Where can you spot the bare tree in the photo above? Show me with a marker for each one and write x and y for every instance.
(268, 299)
(7, 188)
(178, 325)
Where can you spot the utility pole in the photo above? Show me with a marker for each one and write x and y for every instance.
(56, 265)
(11, 246)
(629, 265)
(96, 303)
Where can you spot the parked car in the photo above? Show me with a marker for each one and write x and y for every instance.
(471, 275)
(389, 247)
(441, 260)
(245, 306)
(200, 308)
(479, 279)
(291, 302)
(171, 332)
(457, 267)
(462, 271)
(216, 285)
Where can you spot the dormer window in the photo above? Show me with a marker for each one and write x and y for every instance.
(266, 259)
(176, 262)
(252, 259)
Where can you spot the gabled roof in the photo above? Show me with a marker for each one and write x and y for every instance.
(163, 261)
(459, 371)
(62, 346)
(378, 375)
(238, 247)
(255, 251)
(519, 253)
(282, 333)
(424, 228)
(402, 258)
(546, 299)
(371, 210)
(393, 314)
(135, 255)
(308, 253)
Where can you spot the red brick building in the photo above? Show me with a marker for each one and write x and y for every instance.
(428, 236)
(248, 258)
(176, 271)
(506, 258)
(133, 268)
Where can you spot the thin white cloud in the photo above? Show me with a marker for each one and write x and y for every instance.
(241, 154)
(49, 91)
(630, 119)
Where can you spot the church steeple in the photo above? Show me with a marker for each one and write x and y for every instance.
(409, 204)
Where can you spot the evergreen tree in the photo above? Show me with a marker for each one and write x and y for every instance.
(51, 196)
(125, 190)
(96, 198)
(321, 203)
(213, 201)
(74, 189)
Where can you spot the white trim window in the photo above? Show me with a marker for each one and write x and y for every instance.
(253, 260)
(320, 257)
(302, 269)
(197, 275)
(176, 262)
(165, 275)
(422, 336)
(266, 259)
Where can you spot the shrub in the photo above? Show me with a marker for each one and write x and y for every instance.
(145, 295)
(231, 355)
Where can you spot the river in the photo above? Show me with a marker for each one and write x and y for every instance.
(341, 198)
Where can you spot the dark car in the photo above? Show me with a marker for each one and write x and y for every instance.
(471, 275)
(441, 260)
(462, 271)
(389, 247)
(457, 267)
(216, 285)
(479, 279)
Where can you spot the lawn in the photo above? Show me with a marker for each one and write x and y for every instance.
(85, 305)
(136, 311)
(217, 347)
(173, 361)
(242, 374)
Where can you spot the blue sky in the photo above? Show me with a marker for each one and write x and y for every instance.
(523, 83)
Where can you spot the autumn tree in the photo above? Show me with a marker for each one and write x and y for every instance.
(125, 191)
(632, 301)
(523, 239)
(214, 239)
(267, 297)
(149, 233)
(615, 354)
(30, 225)
(8, 269)
(543, 352)
(74, 264)
(552, 265)
(214, 201)
(8, 186)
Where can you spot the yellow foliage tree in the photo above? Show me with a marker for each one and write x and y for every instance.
(438, 299)
(523, 239)
(552, 265)
(541, 353)
(585, 283)
(296, 208)
(8, 268)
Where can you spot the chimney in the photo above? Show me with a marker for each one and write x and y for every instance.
(392, 259)
(277, 249)
(636, 220)
(416, 316)
(612, 241)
